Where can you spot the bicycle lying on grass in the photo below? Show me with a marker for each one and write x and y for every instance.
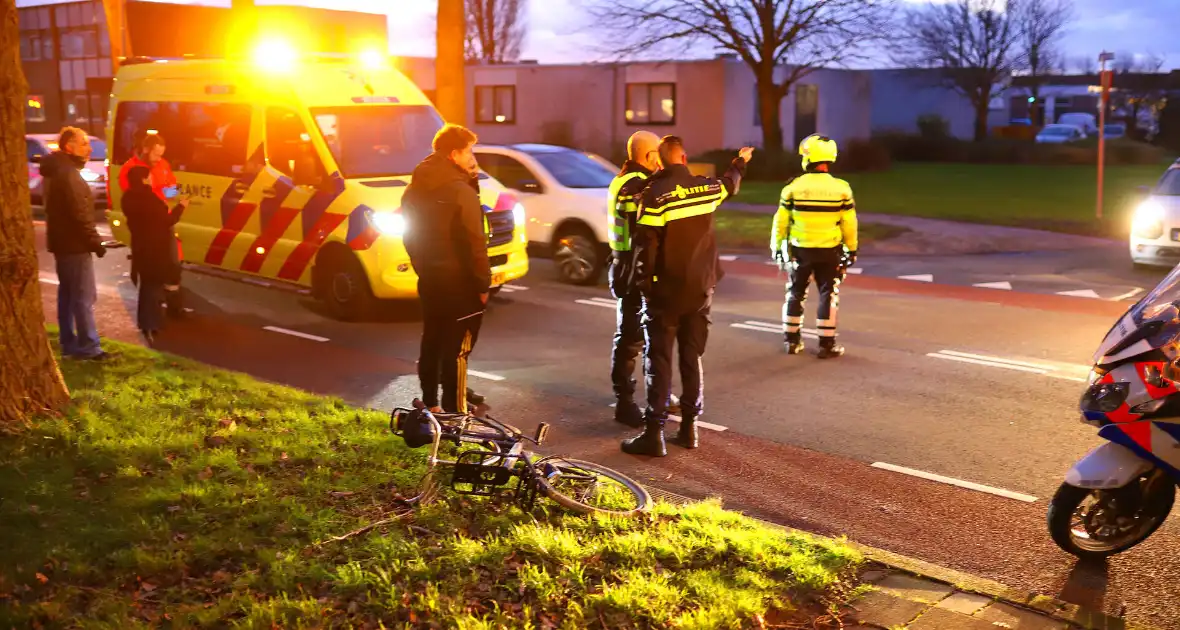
(495, 455)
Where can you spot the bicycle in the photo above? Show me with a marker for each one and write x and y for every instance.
(496, 456)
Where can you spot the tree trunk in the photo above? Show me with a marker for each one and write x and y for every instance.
(29, 379)
(981, 108)
(769, 98)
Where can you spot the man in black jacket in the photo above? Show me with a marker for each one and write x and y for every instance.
(448, 248)
(72, 238)
(678, 267)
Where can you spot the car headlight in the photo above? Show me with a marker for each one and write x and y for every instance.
(518, 214)
(388, 223)
(1105, 397)
(1149, 220)
(90, 175)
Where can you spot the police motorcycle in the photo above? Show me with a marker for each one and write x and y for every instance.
(1122, 491)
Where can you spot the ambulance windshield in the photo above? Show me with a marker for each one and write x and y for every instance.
(378, 140)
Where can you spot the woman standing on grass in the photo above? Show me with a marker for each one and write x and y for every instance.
(152, 245)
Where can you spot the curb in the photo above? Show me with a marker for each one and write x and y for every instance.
(1059, 610)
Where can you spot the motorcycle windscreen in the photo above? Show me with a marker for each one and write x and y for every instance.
(1157, 303)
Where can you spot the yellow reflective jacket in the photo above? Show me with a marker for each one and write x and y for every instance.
(815, 210)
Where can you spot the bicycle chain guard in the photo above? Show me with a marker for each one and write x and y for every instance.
(478, 478)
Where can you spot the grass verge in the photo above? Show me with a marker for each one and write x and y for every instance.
(1059, 198)
(173, 494)
(751, 230)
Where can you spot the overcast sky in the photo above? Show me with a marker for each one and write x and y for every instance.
(558, 31)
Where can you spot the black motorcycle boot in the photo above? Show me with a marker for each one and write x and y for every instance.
(829, 349)
(650, 442)
(793, 343)
(687, 436)
(629, 413)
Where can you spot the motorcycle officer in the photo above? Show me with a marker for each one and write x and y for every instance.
(816, 225)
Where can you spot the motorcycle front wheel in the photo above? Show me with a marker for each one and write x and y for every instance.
(1096, 524)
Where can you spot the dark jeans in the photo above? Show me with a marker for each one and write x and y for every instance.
(628, 344)
(149, 313)
(688, 333)
(824, 265)
(76, 293)
(450, 327)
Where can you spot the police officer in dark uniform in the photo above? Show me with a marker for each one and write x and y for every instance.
(676, 269)
(622, 208)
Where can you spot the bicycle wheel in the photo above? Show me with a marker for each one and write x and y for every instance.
(589, 488)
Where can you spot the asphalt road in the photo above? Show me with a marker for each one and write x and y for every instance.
(973, 384)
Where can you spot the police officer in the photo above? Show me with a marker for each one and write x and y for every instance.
(622, 206)
(677, 268)
(814, 234)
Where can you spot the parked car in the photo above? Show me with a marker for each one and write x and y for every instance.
(1059, 134)
(1155, 228)
(564, 195)
(1088, 122)
(1114, 130)
(38, 146)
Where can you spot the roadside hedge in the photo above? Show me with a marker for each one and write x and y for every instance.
(934, 148)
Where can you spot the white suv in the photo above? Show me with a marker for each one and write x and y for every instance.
(564, 193)
(1155, 229)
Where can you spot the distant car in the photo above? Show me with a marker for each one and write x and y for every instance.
(1115, 130)
(37, 146)
(1088, 122)
(1060, 134)
(564, 195)
(1155, 228)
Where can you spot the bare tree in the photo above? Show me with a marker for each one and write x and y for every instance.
(495, 29)
(1139, 86)
(794, 37)
(1085, 64)
(1042, 24)
(976, 44)
(29, 379)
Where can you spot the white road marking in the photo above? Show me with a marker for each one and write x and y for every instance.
(512, 288)
(1008, 494)
(485, 375)
(188, 310)
(1003, 285)
(777, 329)
(856, 271)
(1128, 295)
(925, 277)
(1086, 293)
(982, 357)
(49, 280)
(700, 423)
(1021, 368)
(603, 302)
(295, 333)
(728, 258)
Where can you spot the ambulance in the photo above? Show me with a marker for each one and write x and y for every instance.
(295, 166)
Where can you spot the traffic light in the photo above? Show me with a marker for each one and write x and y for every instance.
(1032, 99)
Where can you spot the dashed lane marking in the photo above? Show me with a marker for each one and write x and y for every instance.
(700, 423)
(728, 258)
(1008, 494)
(295, 333)
(1128, 295)
(485, 375)
(1002, 285)
(512, 288)
(603, 302)
(1059, 371)
(856, 271)
(924, 277)
(49, 280)
(767, 327)
(1084, 293)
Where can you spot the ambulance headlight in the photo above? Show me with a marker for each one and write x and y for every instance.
(518, 214)
(388, 223)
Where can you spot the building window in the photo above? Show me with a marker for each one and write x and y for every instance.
(651, 104)
(206, 138)
(30, 47)
(35, 108)
(495, 104)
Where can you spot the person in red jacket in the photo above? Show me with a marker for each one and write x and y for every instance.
(163, 184)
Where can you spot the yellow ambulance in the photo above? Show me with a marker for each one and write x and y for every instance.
(295, 168)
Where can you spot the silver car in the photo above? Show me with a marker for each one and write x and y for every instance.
(37, 146)
(1155, 228)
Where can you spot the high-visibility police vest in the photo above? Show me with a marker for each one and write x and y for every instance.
(815, 210)
(621, 209)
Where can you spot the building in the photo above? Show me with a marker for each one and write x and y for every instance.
(596, 107)
(902, 96)
(1133, 95)
(66, 51)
